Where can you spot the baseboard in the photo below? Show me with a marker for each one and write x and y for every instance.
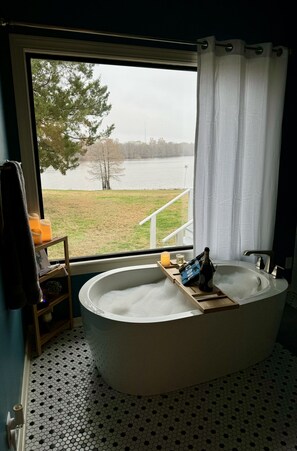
(21, 443)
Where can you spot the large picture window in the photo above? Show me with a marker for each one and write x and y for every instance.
(114, 148)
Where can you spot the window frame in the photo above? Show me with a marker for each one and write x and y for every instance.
(23, 46)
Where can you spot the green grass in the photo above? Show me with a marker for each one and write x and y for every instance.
(103, 222)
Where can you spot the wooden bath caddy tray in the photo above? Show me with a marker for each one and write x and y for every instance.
(207, 302)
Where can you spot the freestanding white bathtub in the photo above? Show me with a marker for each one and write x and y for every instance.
(153, 355)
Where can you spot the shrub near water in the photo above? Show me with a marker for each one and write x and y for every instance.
(103, 222)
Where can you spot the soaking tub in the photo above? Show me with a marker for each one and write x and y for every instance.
(146, 355)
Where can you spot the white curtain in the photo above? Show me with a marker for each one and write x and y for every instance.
(237, 149)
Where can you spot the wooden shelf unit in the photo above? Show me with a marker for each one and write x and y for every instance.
(56, 326)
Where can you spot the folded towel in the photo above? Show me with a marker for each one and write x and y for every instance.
(20, 278)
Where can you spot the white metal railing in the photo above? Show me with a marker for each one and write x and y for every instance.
(180, 233)
(153, 219)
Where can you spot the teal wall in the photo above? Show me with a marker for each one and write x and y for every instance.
(77, 282)
(11, 325)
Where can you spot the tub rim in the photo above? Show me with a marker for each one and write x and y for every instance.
(275, 287)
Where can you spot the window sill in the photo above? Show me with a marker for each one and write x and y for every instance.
(97, 266)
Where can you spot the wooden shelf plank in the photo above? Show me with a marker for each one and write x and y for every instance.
(52, 242)
(60, 271)
(52, 304)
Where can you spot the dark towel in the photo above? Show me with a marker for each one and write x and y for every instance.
(20, 279)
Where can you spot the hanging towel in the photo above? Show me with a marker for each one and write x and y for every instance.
(20, 279)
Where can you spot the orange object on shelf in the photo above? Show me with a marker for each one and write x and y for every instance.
(36, 235)
(34, 221)
(165, 259)
(46, 230)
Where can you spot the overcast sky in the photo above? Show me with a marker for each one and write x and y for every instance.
(150, 103)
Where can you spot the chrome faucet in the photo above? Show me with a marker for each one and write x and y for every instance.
(269, 263)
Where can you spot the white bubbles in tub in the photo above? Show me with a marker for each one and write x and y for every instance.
(148, 300)
(238, 284)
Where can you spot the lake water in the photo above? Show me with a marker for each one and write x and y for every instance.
(155, 173)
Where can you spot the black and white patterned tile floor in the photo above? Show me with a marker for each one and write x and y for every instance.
(71, 408)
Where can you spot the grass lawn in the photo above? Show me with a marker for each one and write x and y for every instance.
(103, 222)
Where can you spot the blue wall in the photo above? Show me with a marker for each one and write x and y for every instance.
(76, 283)
(11, 326)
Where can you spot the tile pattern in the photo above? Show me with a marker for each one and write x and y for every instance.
(71, 408)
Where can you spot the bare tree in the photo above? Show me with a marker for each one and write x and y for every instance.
(106, 161)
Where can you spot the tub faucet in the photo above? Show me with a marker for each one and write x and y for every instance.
(268, 265)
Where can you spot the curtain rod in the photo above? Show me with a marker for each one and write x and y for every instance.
(204, 44)
(5, 23)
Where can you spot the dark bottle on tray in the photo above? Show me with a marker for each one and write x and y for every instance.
(205, 282)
